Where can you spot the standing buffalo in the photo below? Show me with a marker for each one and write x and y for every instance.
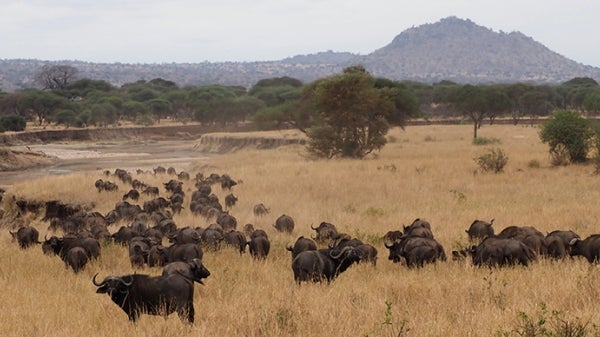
(588, 248)
(498, 252)
(285, 224)
(193, 270)
(260, 209)
(76, 258)
(301, 244)
(558, 243)
(26, 236)
(416, 251)
(325, 232)
(236, 239)
(158, 295)
(259, 244)
(480, 230)
(323, 264)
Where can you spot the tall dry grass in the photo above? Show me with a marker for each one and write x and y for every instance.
(425, 172)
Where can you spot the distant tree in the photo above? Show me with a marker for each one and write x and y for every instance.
(84, 86)
(41, 104)
(132, 109)
(56, 76)
(12, 123)
(103, 114)
(66, 118)
(566, 131)
(351, 114)
(591, 103)
(160, 108)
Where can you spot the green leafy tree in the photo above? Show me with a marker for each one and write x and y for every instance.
(567, 130)
(41, 104)
(66, 118)
(350, 116)
(591, 103)
(12, 123)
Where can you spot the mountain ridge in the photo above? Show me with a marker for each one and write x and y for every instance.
(451, 49)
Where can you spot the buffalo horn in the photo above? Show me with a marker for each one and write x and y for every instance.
(311, 226)
(572, 242)
(96, 283)
(337, 256)
(388, 246)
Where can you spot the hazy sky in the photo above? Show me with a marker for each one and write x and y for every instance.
(159, 31)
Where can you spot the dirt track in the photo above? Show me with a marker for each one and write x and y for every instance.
(99, 156)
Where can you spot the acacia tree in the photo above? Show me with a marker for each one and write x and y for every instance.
(56, 77)
(350, 114)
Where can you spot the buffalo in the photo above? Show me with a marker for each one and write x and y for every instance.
(325, 232)
(323, 264)
(61, 246)
(259, 244)
(588, 248)
(236, 239)
(230, 200)
(499, 252)
(260, 209)
(26, 236)
(76, 258)
(301, 244)
(284, 223)
(416, 251)
(193, 270)
(480, 230)
(558, 243)
(154, 295)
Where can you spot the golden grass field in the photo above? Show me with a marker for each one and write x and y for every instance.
(424, 171)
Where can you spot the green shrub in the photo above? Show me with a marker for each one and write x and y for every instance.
(566, 131)
(492, 161)
(546, 324)
(12, 123)
(485, 141)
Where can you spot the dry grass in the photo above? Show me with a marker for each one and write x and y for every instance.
(425, 172)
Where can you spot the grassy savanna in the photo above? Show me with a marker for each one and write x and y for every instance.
(426, 171)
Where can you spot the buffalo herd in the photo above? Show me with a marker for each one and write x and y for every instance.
(153, 239)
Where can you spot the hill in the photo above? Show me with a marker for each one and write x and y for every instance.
(461, 51)
(450, 49)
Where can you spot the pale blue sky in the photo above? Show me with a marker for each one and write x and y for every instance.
(162, 31)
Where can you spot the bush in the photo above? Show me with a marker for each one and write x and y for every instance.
(492, 161)
(566, 131)
(12, 123)
(485, 141)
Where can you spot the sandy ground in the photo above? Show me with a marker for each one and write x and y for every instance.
(100, 156)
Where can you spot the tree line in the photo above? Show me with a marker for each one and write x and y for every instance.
(344, 115)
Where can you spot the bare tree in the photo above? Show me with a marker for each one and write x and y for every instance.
(56, 77)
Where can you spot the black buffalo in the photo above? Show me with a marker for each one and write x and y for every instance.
(558, 243)
(259, 244)
(26, 236)
(416, 251)
(588, 248)
(301, 244)
(284, 223)
(499, 252)
(193, 270)
(323, 264)
(236, 239)
(158, 295)
(260, 209)
(325, 232)
(76, 258)
(183, 252)
(480, 230)
(61, 246)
